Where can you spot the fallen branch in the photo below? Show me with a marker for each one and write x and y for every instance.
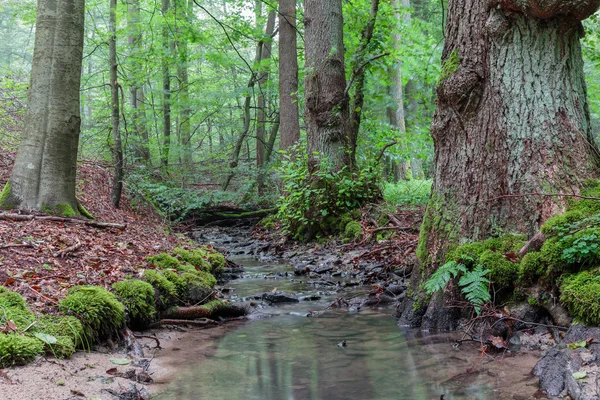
(205, 322)
(30, 217)
(68, 250)
(6, 246)
(149, 337)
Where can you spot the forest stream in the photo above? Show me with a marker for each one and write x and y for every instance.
(335, 353)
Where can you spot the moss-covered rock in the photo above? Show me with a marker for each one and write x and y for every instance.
(353, 231)
(503, 272)
(100, 311)
(217, 263)
(580, 293)
(197, 258)
(13, 308)
(163, 261)
(198, 285)
(165, 292)
(531, 268)
(18, 350)
(175, 279)
(63, 326)
(138, 298)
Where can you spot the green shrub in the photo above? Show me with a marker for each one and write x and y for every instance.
(18, 350)
(138, 298)
(165, 291)
(414, 192)
(101, 313)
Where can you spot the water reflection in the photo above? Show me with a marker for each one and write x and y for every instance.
(299, 358)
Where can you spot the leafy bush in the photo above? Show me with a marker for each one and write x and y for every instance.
(313, 202)
(414, 192)
(101, 312)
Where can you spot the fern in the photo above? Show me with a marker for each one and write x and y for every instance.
(442, 276)
(474, 286)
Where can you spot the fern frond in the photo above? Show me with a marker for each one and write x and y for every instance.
(474, 286)
(442, 276)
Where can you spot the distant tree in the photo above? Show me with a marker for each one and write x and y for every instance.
(43, 177)
(117, 150)
(512, 122)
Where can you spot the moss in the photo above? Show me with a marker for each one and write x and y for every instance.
(531, 268)
(552, 226)
(344, 220)
(66, 210)
(503, 273)
(580, 293)
(63, 326)
(217, 263)
(353, 230)
(197, 258)
(165, 291)
(269, 222)
(187, 268)
(163, 261)
(63, 348)
(7, 201)
(198, 286)
(176, 280)
(138, 298)
(13, 308)
(101, 313)
(17, 350)
(450, 66)
(470, 252)
(83, 211)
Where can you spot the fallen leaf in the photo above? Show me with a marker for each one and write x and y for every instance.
(512, 257)
(44, 337)
(119, 361)
(579, 375)
(114, 372)
(577, 345)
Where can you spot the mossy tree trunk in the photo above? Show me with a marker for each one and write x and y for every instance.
(511, 119)
(43, 177)
(327, 106)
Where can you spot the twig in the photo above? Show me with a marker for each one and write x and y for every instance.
(68, 250)
(357, 71)
(6, 246)
(149, 337)
(204, 322)
(382, 151)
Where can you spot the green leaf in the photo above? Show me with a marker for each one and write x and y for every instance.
(579, 375)
(577, 345)
(44, 337)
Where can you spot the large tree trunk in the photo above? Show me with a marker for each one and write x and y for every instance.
(511, 119)
(117, 150)
(288, 75)
(327, 108)
(43, 177)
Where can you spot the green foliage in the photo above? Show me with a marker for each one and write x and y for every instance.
(413, 192)
(580, 293)
(138, 298)
(165, 291)
(100, 311)
(67, 330)
(442, 276)
(312, 201)
(18, 350)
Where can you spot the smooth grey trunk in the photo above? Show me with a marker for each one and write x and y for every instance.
(288, 75)
(512, 119)
(261, 115)
(43, 177)
(166, 84)
(360, 69)
(327, 107)
(136, 90)
(185, 129)
(117, 150)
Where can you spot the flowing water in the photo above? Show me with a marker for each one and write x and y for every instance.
(283, 354)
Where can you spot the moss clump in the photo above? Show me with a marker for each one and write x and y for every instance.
(503, 272)
(101, 313)
(450, 66)
(6, 200)
(269, 222)
(175, 279)
(353, 230)
(63, 326)
(580, 293)
(198, 286)
(17, 350)
(83, 211)
(553, 225)
(66, 210)
(163, 261)
(217, 263)
(138, 298)
(165, 292)
(13, 308)
(531, 268)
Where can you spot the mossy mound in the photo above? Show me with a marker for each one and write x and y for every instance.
(68, 331)
(100, 311)
(138, 298)
(198, 286)
(353, 231)
(13, 308)
(580, 293)
(197, 258)
(18, 350)
(163, 261)
(165, 292)
(217, 263)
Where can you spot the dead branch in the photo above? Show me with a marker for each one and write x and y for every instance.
(30, 217)
(149, 337)
(188, 313)
(6, 246)
(204, 322)
(534, 244)
(382, 151)
(68, 250)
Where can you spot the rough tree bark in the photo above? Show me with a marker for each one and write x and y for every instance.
(288, 75)
(511, 118)
(117, 150)
(166, 75)
(327, 107)
(43, 177)
(185, 128)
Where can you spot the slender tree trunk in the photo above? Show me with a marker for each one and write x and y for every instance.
(261, 103)
(288, 75)
(136, 91)
(511, 119)
(327, 107)
(272, 138)
(184, 94)
(167, 42)
(117, 183)
(360, 77)
(43, 177)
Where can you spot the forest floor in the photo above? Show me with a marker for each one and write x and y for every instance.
(42, 259)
